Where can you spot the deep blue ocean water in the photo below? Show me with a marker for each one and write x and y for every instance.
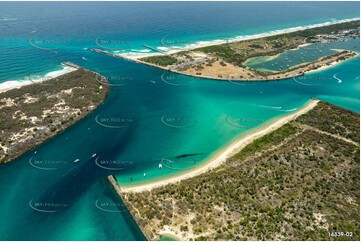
(153, 117)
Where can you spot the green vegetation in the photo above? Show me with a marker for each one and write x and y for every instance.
(339, 56)
(31, 114)
(163, 60)
(238, 52)
(326, 29)
(225, 52)
(300, 182)
(227, 61)
(334, 120)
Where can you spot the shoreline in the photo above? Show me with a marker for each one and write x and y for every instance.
(324, 67)
(221, 156)
(59, 131)
(334, 63)
(235, 72)
(201, 64)
(169, 235)
(355, 54)
(113, 183)
(12, 84)
(200, 44)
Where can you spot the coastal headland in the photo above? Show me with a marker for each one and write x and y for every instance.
(226, 61)
(296, 181)
(35, 112)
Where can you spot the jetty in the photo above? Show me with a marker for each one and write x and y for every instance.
(70, 64)
(113, 182)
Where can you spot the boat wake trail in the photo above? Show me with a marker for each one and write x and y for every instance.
(338, 79)
(268, 107)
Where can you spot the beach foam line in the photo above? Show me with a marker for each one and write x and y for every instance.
(8, 19)
(223, 154)
(11, 84)
(141, 51)
(198, 44)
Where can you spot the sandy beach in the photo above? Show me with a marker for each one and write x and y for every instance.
(230, 72)
(222, 155)
(332, 64)
(173, 50)
(9, 85)
(304, 68)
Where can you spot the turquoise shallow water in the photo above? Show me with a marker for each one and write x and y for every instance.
(152, 118)
(309, 53)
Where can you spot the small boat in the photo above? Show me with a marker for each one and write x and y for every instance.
(94, 154)
(144, 174)
(76, 160)
(160, 166)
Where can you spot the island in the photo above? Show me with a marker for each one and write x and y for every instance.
(31, 114)
(297, 182)
(227, 61)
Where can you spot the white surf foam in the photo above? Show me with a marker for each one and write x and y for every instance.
(198, 44)
(8, 19)
(34, 79)
(64, 70)
(269, 33)
(141, 51)
(162, 48)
